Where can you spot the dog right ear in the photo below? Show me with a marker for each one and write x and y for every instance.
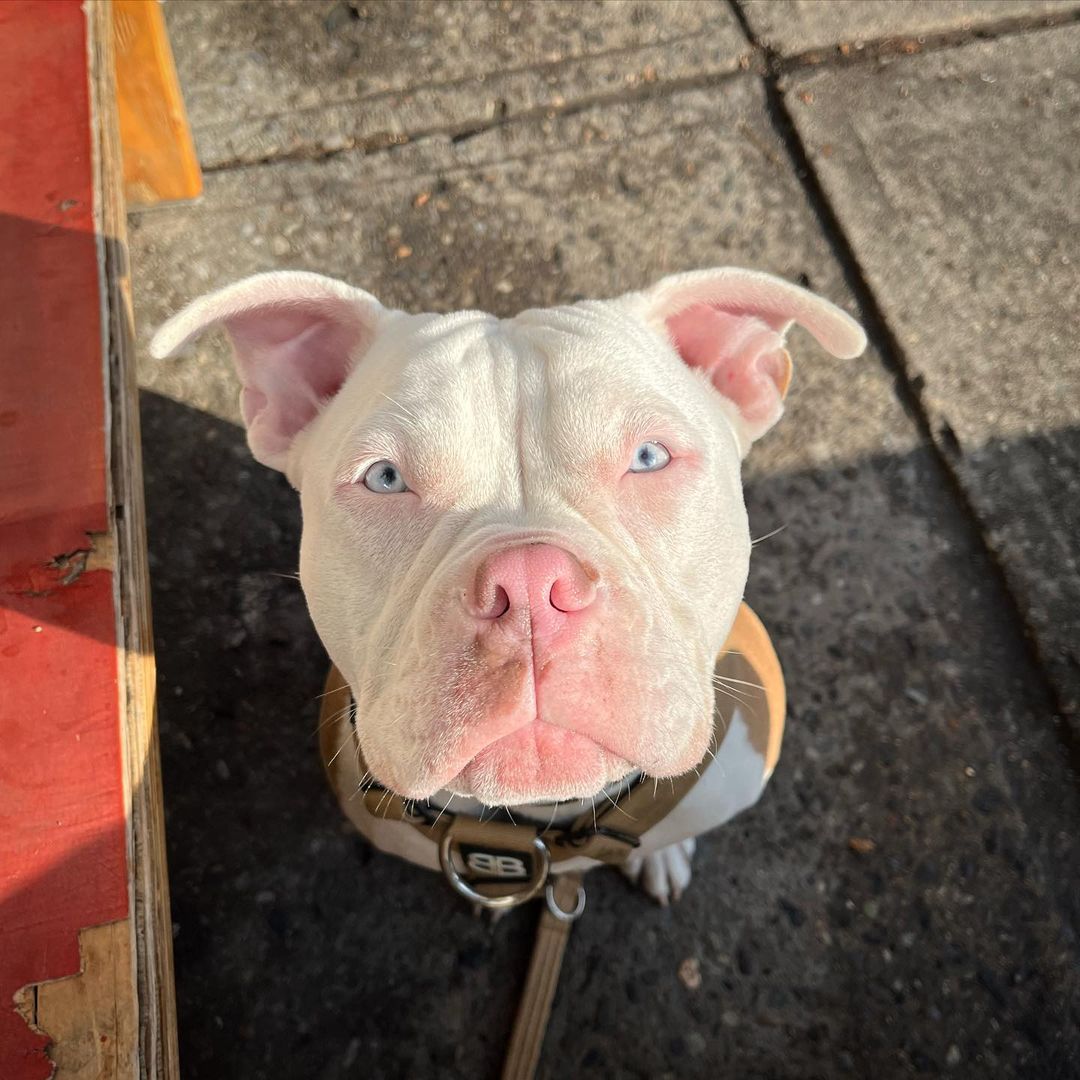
(295, 338)
(731, 325)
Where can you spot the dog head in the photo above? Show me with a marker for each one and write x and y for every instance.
(524, 540)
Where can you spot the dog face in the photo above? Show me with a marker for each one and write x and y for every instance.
(524, 540)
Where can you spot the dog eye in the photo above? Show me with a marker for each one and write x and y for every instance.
(649, 457)
(384, 479)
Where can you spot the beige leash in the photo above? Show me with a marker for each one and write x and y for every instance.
(534, 1009)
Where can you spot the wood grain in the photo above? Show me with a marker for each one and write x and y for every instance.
(160, 164)
(151, 917)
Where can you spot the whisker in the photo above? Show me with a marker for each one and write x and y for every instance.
(741, 682)
(364, 786)
(332, 719)
(446, 806)
(721, 683)
(624, 812)
(327, 693)
(768, 536)
(407, 413)
(737, 698)
(339, 749)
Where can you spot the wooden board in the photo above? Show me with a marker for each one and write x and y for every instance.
(85, 942)
(160, 164)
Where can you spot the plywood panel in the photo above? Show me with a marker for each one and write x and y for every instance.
(80, 814)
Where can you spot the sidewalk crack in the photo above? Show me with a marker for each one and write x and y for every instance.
(940, 441)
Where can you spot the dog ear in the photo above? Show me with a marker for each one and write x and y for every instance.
(732, 323)
(295, 338)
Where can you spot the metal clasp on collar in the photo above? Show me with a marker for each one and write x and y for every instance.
(538, 881)
(565, 916)
(541, 865)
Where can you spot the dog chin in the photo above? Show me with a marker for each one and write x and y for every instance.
(539, 762)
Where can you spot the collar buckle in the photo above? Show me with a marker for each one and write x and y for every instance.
(541, 864)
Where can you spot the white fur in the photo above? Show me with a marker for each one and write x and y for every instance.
(513, 431)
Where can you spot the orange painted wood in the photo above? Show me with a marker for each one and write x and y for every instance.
(160, 164)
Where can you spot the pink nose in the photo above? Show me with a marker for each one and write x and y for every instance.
(539, 581)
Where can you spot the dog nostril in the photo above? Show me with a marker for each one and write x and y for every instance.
(502, 603)
(554, 603)
(568, 596)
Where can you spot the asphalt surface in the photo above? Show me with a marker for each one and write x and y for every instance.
(914, 162)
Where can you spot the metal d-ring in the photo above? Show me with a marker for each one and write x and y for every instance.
(565, 916)
(496, 903)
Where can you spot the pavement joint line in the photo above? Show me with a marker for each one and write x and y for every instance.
(760, 60)
(541, 66)
(906, 44)
(431, 174)
(465, 169)
(942, 444)
(470, 128)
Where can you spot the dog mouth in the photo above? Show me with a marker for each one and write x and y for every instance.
(539, 762)
(504, 735)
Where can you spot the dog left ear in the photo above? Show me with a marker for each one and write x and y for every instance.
(732, 325)
(295, 338)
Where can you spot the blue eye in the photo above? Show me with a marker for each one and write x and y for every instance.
(649, 457)
(384, 479)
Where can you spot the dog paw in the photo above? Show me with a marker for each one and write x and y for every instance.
(664, 874)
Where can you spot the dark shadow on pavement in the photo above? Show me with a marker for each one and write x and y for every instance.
(916, 723)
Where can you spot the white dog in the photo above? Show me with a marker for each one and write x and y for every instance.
(524, 539)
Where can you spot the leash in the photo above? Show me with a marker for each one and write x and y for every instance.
(534, 1008)
(500, 863)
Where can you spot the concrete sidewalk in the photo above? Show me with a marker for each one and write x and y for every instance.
(914, 161)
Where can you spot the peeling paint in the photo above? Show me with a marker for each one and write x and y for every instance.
(26, 1005)
(69, 566)
(88, 1017)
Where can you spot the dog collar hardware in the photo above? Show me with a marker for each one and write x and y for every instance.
(497, 856)
(538, 879)
(557, 912)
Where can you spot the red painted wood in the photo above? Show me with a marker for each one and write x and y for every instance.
(62, 841)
